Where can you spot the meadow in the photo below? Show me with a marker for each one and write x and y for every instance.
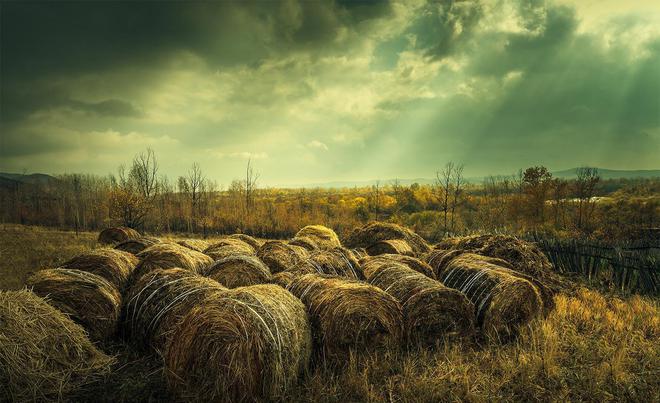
(594, 346)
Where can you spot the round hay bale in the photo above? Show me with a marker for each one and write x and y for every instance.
(324, 237)
(157, 302)
(391, 246)
(198, 245)
(113, 265)
(431, 311)
(439, 258)
(239, 271)
(167, 256)
(249, 343)
(280, 256)
(348, 314)
(359, 253)
(137, 245)
(306, 242)
(337, 262)
(447, 243)
(229, 247)
(503, 301)
(117, 234)
(377, 231)
(44, 355)
(253, 242)
(89, 299)
(371, 262)
(284, 278)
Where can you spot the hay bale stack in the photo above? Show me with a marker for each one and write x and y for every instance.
(229, 247)
(157, 302)
(280, 256)
(391, 246)
(117, 234)
(431, 311)
(239, 271)
(137, 245)
(376, 231)
(369, 263)
(167, 256)
(504, 302)
(113, 265)
(89, 299)
(324, 237)
(247, 344)
(337, 262)
(347, 314)
(306, 242)
(253, 242)
(198, 245)
(44, 355)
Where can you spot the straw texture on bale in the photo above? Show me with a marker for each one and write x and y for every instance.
(170, 255)
(113, 265)
(324, 237)
(44, 355)
(280, 256)
(391, 246)
(348, 314)
(438, 259)
(359, 253)
(229, 247)
(284, 278)
(306, 242)
(198, 245)
(157, 302)
(246, 344)
(239, 271)
(375, 261)
(137, 245)
(87, 298)
(117, 234)
(337, 262)
(252, 241)
(376, 231)
(503, 301)
(431, 311)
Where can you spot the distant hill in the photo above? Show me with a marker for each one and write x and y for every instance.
(611, 173)
(13, 180)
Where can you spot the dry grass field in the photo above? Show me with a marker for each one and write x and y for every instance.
(591, 347)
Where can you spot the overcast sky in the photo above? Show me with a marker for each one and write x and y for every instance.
(328, 91)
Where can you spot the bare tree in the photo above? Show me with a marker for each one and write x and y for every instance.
(375, 198)
(585, 186)
(195, 181)
(443, 185)
(457, 179)
(250, 185)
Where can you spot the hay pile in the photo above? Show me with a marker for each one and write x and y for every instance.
(113, 265)
(431, 311)
(44, 355)
(374, 232)
(337, 262)
(280, 256)
(323, 237)
(253, 242)
(229, 247)
(117, 234)
(284, 278)
(167, 256)
(347, 314)
(137, 245)
(89, 299)
(239, 271)
(504, 302)
(198, 245)
(156, 303)
(391, 246)
(369, 262)
(247, 344)
(306, 242)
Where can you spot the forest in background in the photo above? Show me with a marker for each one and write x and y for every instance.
(531, 200)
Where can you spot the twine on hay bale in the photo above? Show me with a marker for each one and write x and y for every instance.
(280, 256)
(431, 311)
(246, 344)
(336, 262)
(170, 255)
(113, 265)
(198, 245)
(306, 242)
(348, 315)
(44, 355)
(419, 266)
(115, 235)
(391, 246)
(239, 271)
(229, 247)
(376, 231)
(158, 301)
(137, 245)
(87, 298)
(504, 302)
(252, 241)
(323, 237)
